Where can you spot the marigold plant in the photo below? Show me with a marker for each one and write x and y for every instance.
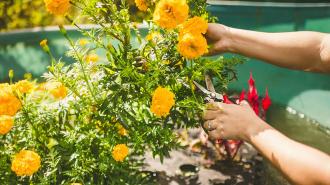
(92, 122)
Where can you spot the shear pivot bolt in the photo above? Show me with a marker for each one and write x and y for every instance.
(213, 95)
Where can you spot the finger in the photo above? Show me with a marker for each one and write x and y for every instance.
(244, 103)
(211, 114)
(215, 106)
(210, 125)
(216, 134)
(212, 51)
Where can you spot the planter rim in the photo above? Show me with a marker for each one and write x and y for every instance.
(267, 4)
(56, 29)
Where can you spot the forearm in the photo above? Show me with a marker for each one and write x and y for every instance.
(295, 50)
(299, 163)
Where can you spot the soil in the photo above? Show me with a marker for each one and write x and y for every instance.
(204, 167)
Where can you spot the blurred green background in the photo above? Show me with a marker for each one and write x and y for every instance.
(15, 14)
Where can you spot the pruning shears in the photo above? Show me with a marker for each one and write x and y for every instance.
(231, 146)
(209, 91)
(210, 94)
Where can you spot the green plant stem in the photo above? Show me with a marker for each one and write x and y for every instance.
(82, 67)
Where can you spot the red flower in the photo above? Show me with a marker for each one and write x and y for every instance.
(253, 97)
(251, 81)
(242, 96)
(226, 100)
(232, 147)
(266, 102)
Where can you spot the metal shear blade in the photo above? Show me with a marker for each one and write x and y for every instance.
(210, 91)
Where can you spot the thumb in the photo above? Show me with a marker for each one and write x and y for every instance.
(244, 103)
(212, 51)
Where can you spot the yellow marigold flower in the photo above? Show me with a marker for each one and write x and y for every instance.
(142, 5)
(121, 130)
(57, 7)
(23, 86)
(57, 89)
(162, 102)
(83, 42)
(26, 163)
(9, 103)
(195, 25)
(120, 152)
(170, 13)
(6, 123)
(92, 58)
(192, 46)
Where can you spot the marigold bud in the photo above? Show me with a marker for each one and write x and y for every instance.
(11, 74)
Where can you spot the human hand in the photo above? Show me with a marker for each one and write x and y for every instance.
(230, 121)
(217, 36)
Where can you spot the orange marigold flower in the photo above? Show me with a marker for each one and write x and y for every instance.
(92, 58)
(57, 89)
(162, 102)
(23, 86)
(9, 103)
(195, 25)
(192, 46)
(120, 152)
(6, 123)
(170, 13)
(26, 163)
(142, 5)
(57, 7)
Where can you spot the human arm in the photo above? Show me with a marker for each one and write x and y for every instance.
(308, 51)
(301, 164)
